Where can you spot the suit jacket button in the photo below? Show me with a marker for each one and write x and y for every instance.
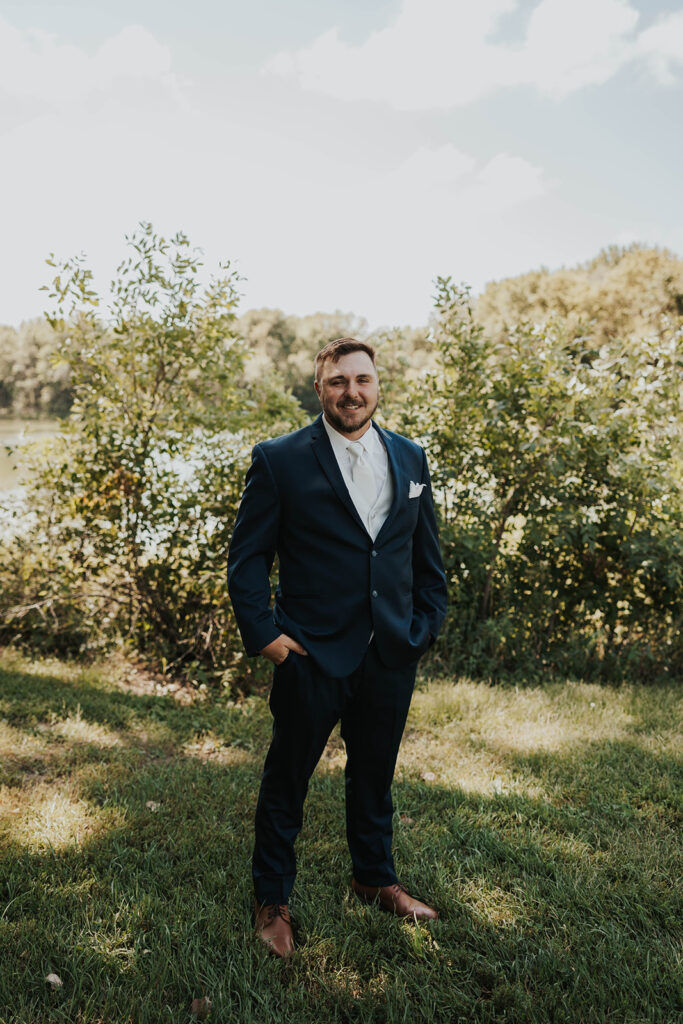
(374, 593)
(374, 554)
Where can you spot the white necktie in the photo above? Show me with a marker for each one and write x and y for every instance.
(362, 475)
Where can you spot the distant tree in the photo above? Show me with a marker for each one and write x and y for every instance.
(33, 382)
(289, 344)
(404, 356)
(622, 293)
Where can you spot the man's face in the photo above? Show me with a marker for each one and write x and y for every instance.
(348, 392)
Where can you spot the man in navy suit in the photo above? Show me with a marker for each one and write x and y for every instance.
(347, 507)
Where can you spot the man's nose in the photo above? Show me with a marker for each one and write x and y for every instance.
(351, 390)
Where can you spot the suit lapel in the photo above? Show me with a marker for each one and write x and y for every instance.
(396, 469)
(330, 467)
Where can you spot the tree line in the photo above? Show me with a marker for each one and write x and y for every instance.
(626, 293)
(550, 408)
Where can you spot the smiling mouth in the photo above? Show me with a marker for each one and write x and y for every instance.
(351, 407)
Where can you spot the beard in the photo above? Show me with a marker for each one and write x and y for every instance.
(345, 426)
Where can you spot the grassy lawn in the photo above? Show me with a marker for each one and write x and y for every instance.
(544, 823)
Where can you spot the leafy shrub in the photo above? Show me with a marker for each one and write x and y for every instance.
(556, 464)
(135, 503)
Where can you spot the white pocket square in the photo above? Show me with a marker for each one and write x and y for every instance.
(415, 489)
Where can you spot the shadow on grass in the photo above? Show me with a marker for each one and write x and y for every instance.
(27, 700)
(560, 909)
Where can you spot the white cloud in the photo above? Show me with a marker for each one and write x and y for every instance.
(441, 166)
(96, 151)
(574, 43)
(323, 206)
(308, 233)
(449, 175)
(662, 47)
(91, 135)
(438, 53)
(507, 181)
(373, 241)
(39, 66)
(432, 55)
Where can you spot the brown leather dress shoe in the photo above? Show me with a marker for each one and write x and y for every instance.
(273, 926)
(395, 900)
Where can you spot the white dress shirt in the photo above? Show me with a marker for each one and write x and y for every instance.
(374, 515)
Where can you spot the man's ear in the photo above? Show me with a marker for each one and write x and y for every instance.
(316, 385)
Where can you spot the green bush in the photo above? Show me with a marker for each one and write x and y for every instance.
(555, 452)
(134, 503)
(557, 470)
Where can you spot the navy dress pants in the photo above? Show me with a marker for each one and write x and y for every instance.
(372, 703)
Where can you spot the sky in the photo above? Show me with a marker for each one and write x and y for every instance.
(341, 155)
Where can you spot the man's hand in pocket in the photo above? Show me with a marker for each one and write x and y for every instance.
(278, 649)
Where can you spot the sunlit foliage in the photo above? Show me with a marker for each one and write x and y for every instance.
(557, 465)
(137, 498)
(623, 293)
(550, 408)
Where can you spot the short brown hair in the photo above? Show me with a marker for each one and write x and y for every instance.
(334, 350)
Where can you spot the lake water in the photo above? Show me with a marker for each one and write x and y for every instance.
(19, 432)
(15, 516)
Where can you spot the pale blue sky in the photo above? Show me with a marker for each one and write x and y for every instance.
(342, 154)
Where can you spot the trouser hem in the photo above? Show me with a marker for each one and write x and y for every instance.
(375, 881)
(271, 891)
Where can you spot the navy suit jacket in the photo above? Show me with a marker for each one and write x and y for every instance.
(336, 584)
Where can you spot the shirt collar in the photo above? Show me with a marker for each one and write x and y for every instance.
(340, 442)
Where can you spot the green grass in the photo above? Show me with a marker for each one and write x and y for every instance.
(549, 839)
